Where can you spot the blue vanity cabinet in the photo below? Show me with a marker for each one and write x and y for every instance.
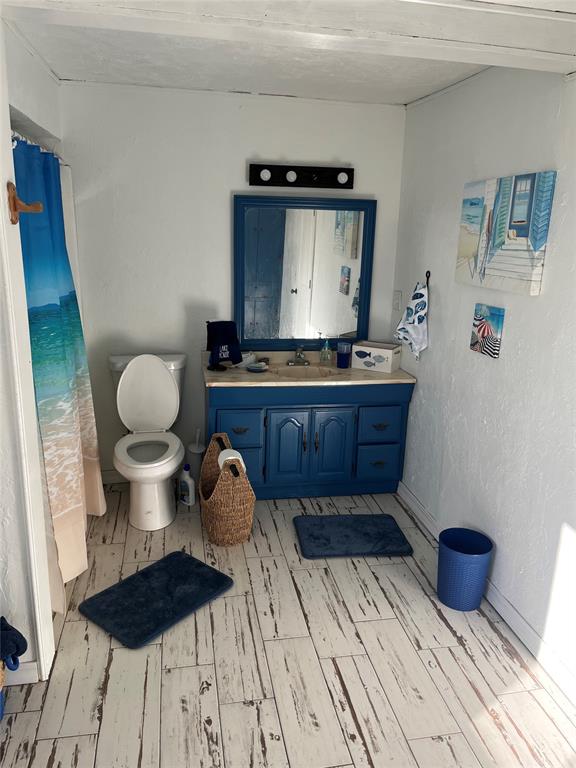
(315, 440)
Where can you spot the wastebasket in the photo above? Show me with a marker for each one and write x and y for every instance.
(463, 562)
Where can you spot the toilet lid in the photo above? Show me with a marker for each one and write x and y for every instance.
(147, 395)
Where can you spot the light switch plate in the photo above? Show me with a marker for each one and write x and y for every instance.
(397, 301)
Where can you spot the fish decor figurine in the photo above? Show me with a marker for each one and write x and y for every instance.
(361, 353)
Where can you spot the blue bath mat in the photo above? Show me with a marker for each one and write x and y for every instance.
(350, 536)
(143, 605)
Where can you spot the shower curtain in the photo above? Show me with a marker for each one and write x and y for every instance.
(64, 404)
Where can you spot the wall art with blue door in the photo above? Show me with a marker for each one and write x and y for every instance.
(504, 227)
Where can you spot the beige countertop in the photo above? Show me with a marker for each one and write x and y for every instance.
(280, 374)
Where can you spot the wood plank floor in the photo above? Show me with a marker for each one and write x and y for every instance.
(345, 663)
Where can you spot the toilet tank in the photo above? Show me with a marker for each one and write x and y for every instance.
(175, 362)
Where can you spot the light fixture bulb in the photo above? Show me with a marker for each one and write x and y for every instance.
(265, 174)
(291, 176)
(342, 177)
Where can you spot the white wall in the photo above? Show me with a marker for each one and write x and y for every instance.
(154, 173)
(491, 443)
(34, 91)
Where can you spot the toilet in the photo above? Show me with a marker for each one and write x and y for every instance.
(148, 399)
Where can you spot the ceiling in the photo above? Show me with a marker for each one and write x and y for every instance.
(375, 51)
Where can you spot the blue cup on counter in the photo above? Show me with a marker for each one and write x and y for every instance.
(343, 354)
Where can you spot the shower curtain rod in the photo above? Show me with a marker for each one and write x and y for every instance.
(22, 137)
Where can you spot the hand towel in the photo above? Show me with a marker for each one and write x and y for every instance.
(222, 343)
(413, 328)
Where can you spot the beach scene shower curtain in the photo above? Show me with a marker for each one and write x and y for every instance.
(64, 404)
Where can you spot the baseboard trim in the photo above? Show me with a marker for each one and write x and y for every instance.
(416, 506)
(547, 658)
(538, 647)
(26, 673)
(110, 476)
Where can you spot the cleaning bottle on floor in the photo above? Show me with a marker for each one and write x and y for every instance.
(186, 487)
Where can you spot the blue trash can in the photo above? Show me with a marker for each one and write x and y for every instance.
(463, 561)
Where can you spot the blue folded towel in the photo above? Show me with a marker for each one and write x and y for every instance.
(222, 343)
(12, 644)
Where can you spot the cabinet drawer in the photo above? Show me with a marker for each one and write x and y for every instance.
(245, 428)
(378, 462)
(380, 424)
(254, 460)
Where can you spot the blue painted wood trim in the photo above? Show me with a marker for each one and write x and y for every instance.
(368, 207)
(261, 397)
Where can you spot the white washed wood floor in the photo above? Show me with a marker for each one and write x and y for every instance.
(302, 664)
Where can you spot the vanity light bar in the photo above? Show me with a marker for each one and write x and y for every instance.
(326, 177)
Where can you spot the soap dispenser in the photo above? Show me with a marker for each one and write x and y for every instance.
(326, 354)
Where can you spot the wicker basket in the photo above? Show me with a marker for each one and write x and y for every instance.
(226, 496)
(2, 690)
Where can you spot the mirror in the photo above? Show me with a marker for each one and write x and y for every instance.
(302, 269)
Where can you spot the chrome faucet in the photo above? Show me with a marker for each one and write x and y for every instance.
(299, 357)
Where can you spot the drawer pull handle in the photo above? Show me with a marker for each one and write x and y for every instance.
(240, 430)
(304, 443)
(381, 426)
(379, 463)
(316, 442)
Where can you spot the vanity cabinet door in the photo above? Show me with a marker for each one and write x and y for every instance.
(289, 446)
(333, 444)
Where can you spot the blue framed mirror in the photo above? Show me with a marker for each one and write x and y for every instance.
(302, 270)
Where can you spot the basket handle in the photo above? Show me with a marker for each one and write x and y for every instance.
(233, 468)
(221, 443)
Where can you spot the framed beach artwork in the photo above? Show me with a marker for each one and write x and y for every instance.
(504, 227)
(487, 330)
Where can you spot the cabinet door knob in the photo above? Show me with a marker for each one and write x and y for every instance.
(304, 443)
(240, 430)
(316, 442)
(381, 426)
(379, 463)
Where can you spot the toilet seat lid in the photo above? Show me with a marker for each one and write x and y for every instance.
(147, 395)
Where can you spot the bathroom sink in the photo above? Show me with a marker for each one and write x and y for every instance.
(307, 372)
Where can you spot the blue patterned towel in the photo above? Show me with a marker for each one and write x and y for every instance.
(413, 328)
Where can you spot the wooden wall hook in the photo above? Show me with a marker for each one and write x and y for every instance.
(17, 206)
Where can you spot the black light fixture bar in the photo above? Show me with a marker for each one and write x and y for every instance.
(326, 177)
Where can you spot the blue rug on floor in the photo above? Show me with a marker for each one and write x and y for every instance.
(142, 606)
(350, 536)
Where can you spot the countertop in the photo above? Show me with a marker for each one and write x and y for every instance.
(281, 375)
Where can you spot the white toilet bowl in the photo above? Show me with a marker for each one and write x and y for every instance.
(149, 460)
(148, 400)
